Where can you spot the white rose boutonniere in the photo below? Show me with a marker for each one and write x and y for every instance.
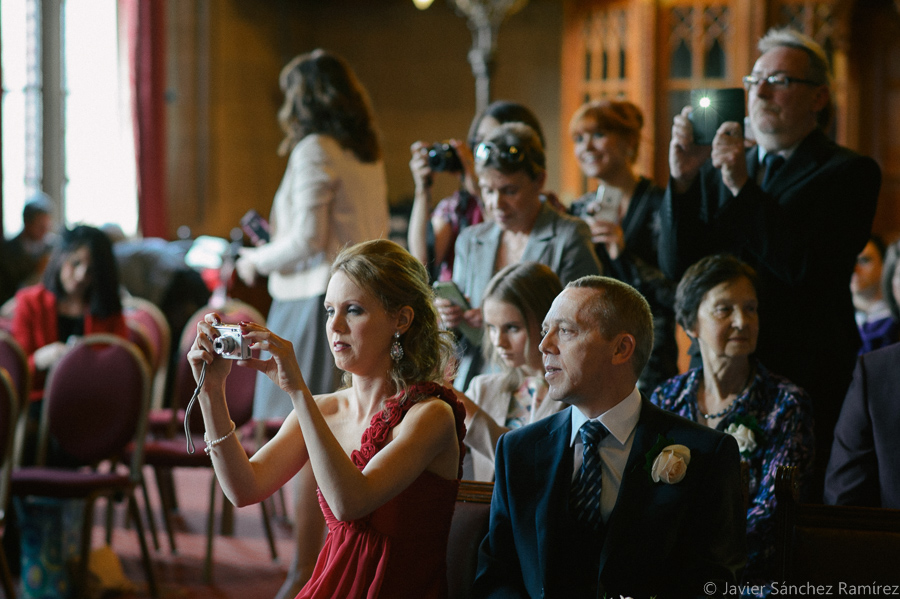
(748, 434)
(667, 462)
(745, 438)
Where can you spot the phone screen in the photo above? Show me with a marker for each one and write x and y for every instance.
(711, 108)
(256, 228)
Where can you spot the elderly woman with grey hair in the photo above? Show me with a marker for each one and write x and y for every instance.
(771, 418)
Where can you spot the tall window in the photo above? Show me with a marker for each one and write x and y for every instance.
(698, 51)
(22, 109)
(95, 136)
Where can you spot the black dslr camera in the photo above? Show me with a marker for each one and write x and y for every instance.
(442, 157)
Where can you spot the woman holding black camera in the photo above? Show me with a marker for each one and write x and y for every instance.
(431, 240)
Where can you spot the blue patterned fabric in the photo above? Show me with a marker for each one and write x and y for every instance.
(584, 497)
(783, 412)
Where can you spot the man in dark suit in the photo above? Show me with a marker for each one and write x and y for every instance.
(865, 458)
(800, 223)
(652, 506)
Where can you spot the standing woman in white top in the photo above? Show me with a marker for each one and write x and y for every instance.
(334, 193)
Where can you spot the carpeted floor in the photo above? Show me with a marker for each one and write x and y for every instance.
(243, 566)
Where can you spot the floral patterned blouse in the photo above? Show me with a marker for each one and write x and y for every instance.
(781, 413)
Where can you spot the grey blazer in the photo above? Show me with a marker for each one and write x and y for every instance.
(486, 426)
(560, 241)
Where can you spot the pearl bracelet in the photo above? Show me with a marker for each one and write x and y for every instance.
(211, 444)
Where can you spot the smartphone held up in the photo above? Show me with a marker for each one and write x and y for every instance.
(712, 107)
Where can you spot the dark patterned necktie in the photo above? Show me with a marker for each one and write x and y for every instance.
(584, 497)
(772, 163)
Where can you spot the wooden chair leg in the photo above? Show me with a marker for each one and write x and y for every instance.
(148, 510)
(226, 526)
(145, 553)
(282, 497)
(79, 584)
(167, 508)
(267, 525)
(6, 579)
(110, 505)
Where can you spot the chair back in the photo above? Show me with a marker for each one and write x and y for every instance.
(96, 401)
(467, 529)
(145, 315)
(831, 544)
(9, 410)
(138, 334)
(14, 360)
(241, 382)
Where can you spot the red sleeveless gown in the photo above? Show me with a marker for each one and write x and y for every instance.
(400, 549)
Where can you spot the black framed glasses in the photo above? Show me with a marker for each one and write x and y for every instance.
(782, 81)
(506, 155)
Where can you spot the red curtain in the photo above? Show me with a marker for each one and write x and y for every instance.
(144, 26)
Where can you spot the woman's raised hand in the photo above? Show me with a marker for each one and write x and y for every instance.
(282, 367)
(419, 166)
(202, 352)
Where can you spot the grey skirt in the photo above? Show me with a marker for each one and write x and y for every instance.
(302, 322)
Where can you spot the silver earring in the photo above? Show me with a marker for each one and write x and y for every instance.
(396, 348)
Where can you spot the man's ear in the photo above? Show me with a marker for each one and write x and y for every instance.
(405, 317)
(823, 96)
(623, 348)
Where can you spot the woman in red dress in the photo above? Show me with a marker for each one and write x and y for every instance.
(385, 451)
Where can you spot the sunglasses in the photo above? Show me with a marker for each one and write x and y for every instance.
(506, 155)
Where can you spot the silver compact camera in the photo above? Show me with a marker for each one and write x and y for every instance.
(230, 343)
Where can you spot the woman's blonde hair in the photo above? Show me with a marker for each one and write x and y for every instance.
(391, 275)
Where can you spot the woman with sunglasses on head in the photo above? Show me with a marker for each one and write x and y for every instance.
(515, 303)
(623, 214)
(431, 240)
(511, 169)
(385, 452)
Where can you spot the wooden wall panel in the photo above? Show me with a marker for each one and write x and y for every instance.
(414, 64)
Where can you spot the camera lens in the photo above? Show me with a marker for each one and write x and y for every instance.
(442, 157)
(224, 345)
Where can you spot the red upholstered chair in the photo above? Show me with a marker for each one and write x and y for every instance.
(95, 404)
(144, 315)
(165, 454)
(10, 409)
(14, 360)
(468, 527)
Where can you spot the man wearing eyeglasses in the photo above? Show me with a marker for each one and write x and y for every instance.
(796, 206)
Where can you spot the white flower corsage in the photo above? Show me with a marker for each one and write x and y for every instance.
(744, 436)
(667, 462)
(748, 434)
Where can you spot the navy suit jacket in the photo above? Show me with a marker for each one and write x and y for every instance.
(661, 539)
(865, 458)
